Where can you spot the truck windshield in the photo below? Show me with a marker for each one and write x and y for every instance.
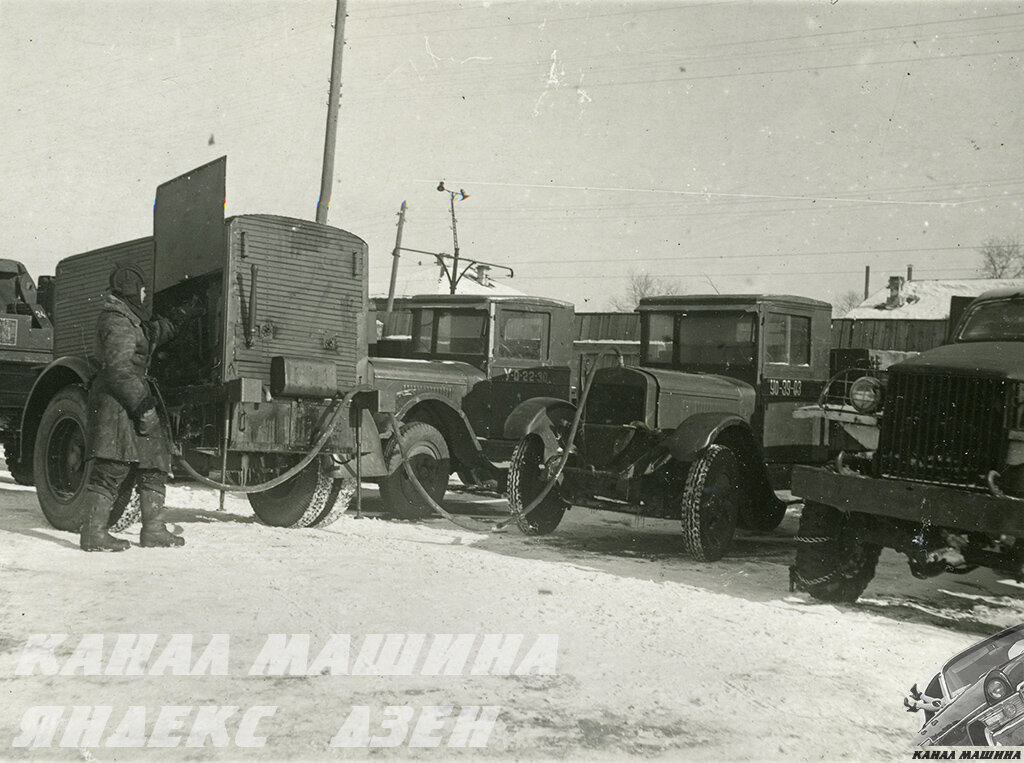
(450, 332)
(700, 338)
(999, 321)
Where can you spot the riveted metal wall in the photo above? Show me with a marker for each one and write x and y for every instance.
(81, 282)
(311, 296)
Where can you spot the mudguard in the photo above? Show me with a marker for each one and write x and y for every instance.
(70, 369)
(538, 416)
(451, 421)
(699, 431)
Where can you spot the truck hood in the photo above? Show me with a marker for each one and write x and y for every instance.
(702, 385)
(425, 371)
(993, 359)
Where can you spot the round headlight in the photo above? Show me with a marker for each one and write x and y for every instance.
(997, 687)
(866, 394)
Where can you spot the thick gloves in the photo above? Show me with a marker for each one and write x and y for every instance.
(147, 421)
(192, 309)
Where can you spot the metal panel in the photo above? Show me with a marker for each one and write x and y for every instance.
(81, 283)
(310, 296)
(188, 224)
(943, 428)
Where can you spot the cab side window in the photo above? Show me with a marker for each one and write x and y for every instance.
(788, 339)
(523, 335)
(423, 330)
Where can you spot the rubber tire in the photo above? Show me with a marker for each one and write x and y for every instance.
(338, 502)
(20, 472)
(710, 503)
(297, 502)
(63, 503)
(127, 509)
(428, 452)
(525, 484)
(846, 561)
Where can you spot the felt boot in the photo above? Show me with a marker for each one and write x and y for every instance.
(154, 532)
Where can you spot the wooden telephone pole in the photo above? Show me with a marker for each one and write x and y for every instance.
(333, 103)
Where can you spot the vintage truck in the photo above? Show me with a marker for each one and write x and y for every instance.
(264, 393)
(932, 464)
(701, 431)
(470, 363)
(26, 346)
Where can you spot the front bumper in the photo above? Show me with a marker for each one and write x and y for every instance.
(913, 501)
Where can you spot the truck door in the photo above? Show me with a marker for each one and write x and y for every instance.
(521, 366)
(794, 366)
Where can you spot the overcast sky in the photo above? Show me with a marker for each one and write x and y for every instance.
(729, 146)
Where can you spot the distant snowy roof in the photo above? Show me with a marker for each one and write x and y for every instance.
(424, 277)
(926, 300)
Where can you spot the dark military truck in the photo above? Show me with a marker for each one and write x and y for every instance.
(471, 363)
(932, 465)
(26, 346)
(701, 431)
(264, 390)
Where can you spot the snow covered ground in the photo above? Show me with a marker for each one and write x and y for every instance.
(657, 655)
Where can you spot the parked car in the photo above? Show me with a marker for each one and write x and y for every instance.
(976, 697)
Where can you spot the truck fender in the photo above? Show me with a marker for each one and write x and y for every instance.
(699, 431)
(727, 429)
(451, 421)
(538, 416)
(71, 369)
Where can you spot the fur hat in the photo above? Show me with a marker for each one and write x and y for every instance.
(126, 283)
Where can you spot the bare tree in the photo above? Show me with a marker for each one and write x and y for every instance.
(845, 302)
(642, 284)
(1002, 257)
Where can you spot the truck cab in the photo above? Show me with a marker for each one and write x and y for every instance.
(26, 346)
(469, 363)
(701, 430)
(775, 345)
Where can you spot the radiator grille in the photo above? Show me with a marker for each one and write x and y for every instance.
(943, 428)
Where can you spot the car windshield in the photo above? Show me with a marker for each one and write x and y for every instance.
(701, 338)
(966, 668)
(999, 321)
(450, 332)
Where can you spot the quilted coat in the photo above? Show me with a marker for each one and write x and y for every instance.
(123, 346)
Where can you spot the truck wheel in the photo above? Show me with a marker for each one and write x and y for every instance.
(710, 503)
(297, 502)
(337, 503)
(428, 456)
(525, 484)
(59, 465)
(832, 564)
(20, 471)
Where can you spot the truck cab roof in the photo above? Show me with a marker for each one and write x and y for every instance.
(728, 300)
(469, 300)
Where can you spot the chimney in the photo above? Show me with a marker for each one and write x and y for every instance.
(481, 274)
(895, 298)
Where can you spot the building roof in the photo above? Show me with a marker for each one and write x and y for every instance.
(927, 300)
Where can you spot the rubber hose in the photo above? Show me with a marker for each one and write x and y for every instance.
(280, 479)
(437, 508)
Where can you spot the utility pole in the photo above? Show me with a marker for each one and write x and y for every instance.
(394, 261)
(452, 279)
(333, 102)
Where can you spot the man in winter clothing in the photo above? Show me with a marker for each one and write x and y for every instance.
(125, 436)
